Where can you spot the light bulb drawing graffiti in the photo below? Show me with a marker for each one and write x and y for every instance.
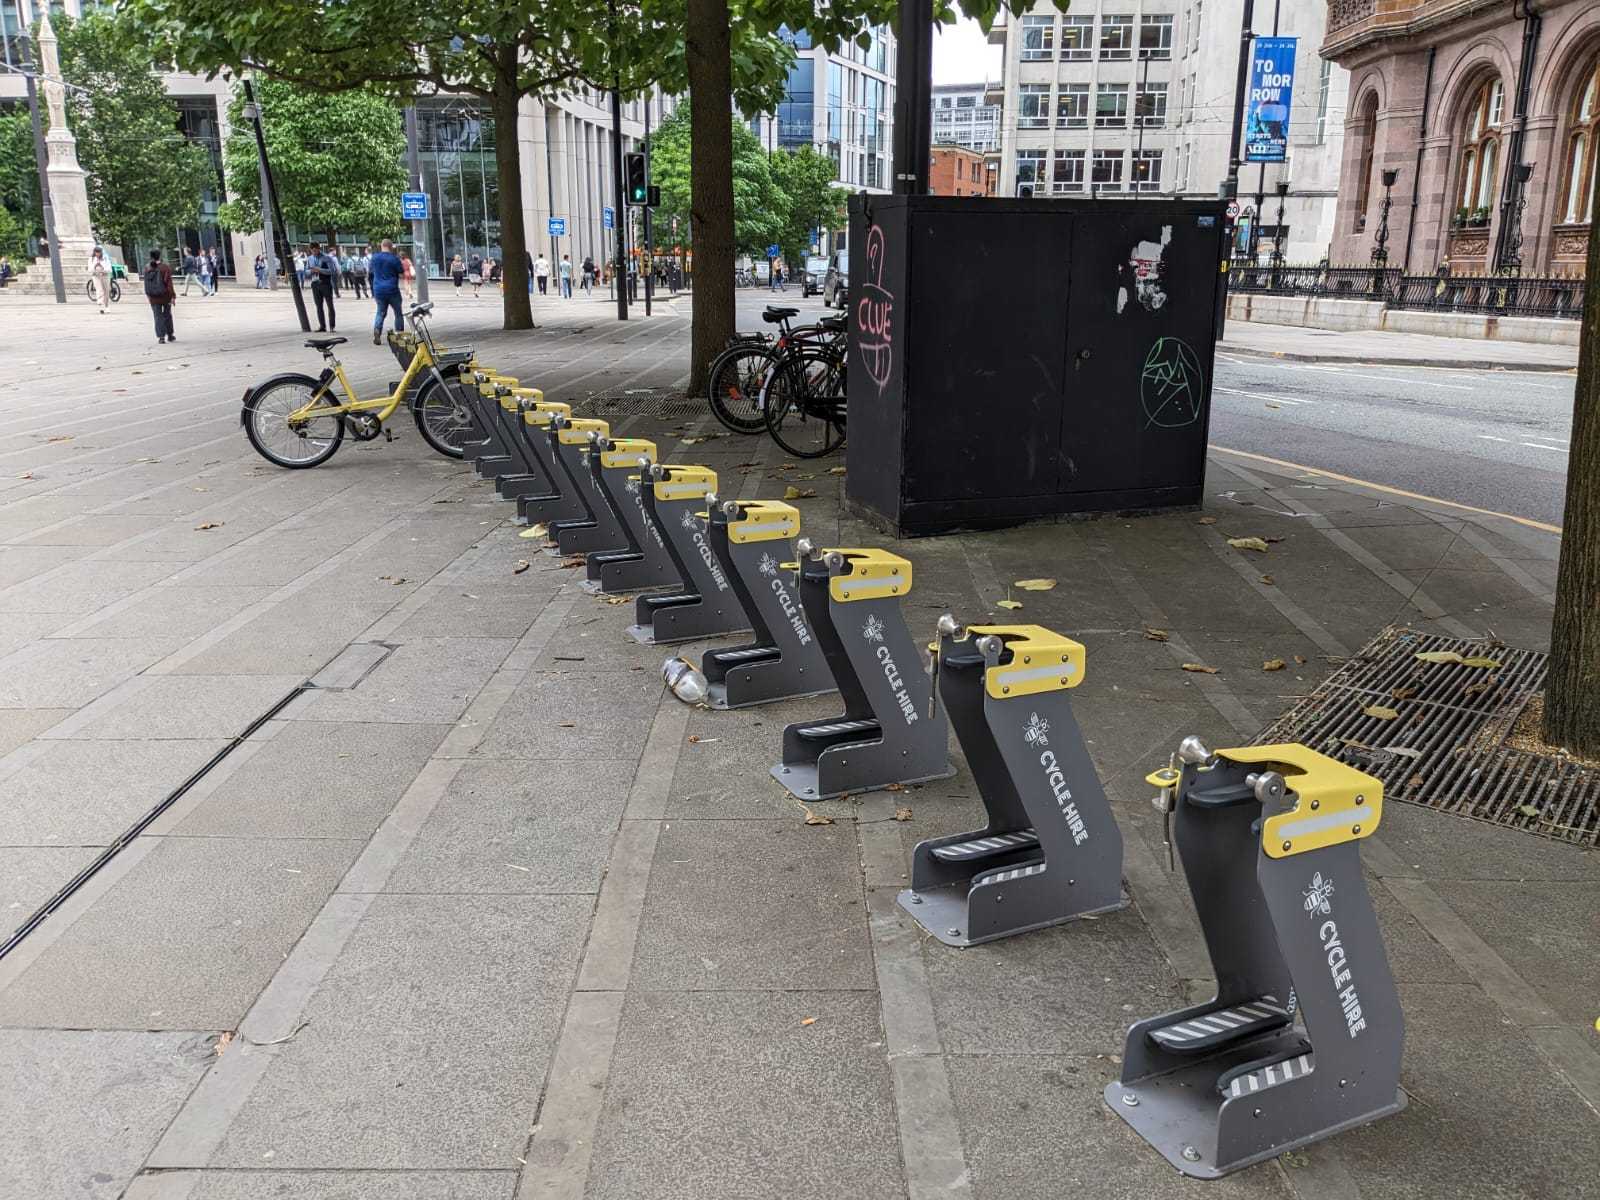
(1172, 386)
(874, 324)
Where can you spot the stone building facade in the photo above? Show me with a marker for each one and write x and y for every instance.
(1465, 100)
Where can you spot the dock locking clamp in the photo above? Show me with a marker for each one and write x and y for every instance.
(754, 542)
(569, 439)
(705, 605)
(1303, 1038)
(887, 733)
(620, 464)
(531, 416)
(1051, 850)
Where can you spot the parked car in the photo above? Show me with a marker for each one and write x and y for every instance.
(815, 274)
(836, 287)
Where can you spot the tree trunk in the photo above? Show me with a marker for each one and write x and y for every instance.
(1572, 691)
(515, 304)
(710, 69)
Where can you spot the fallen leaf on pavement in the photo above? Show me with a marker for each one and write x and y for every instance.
(1415, 781)
(1380, 712)
(1403, 751)
(835, 470)
(817, 818)
(1200, 669)
(1035, 585)
(794, 493)
(1272, 405)
(1248, 543)
(809, 1021)
(522, 565)
(26, 475)
(223, 1038)
(616, 599)
(1402, 693)
(1437, 656)
(1268, 580)
(1274, 664)
(902, 813)
(576, 560)
(1530, 810)
(1480, 662)
(1300, 658)
(1156, 635)
(210, 525)
(1011, 604)
(60, 437)
(1207, 521)
(532, 531)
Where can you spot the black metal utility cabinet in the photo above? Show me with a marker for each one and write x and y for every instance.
(1012, 359)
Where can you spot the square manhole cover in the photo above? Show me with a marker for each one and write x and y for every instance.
(1453, 704)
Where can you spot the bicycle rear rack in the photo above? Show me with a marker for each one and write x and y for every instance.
(1050, 850)
(887, 733)
(618, 464)
(754, 542)
(706, 605)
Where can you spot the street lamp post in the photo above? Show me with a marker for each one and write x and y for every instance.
(1277, 233)
(1511, 261)
(1380, 244)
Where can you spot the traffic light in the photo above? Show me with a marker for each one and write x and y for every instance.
(634, 174)
(655, 196)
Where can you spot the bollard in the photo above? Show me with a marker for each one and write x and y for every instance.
(887, 734)
(754, 542)
(646, 564)
(1050, 850)
(706, 605)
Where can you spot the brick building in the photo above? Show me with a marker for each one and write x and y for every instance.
(1464, 99)
(958, 171)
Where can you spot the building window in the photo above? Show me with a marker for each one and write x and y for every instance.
(1194, 29)
(1033, 106)
(1068, 174)
(1107, 171)
(1111, 106)
(1147, 170)
(1369, 141)
(1077, 39)
(1480, 154)
(1030, 170)
(966, 101)
(1116, 38)
(1578, 203)
(1155, 36)
(1038, 38)
(1072, 106)
(1324, 84)
(1150, 109)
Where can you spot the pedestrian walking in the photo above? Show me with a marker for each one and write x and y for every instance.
(159, 291)
(588, 272)
(6, 270)
(386, 271)
(205, 268)
(190, 267)
(408, 274)
(541, 273)
(100, 277)
(475, 275)
(360, 271)
(458, 272)
(324, 272)
(566, 276)
(300, 265)
(261, 272)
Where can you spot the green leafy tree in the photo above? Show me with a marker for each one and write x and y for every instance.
(814, 201)
(19, 172)
(761, 209)
(145, 177)
(338, 160)
(13, 239)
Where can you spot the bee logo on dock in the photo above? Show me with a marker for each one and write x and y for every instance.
(1319, 896)
(1036, 731)
(873, 629)
(768, 565)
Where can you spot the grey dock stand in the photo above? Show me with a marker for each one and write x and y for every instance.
(568, 439)
(887, 734)
(621, 465)
(705, 606)
(541, 426)
(1270, 842)
(530, 475)
(1051, 850)
(602, 529)
(754, 542)
(488, 453)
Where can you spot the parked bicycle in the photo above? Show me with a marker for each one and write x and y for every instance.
(739, 375)
(803, 401)
(297, 421)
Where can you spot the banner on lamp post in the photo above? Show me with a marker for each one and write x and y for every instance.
(1266, 114)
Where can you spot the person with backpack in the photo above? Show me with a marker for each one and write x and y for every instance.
(159, 291)
(360, 266)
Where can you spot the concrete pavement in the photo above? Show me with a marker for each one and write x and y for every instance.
(1300, 344)
(485, 914)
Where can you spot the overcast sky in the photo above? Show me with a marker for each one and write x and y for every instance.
(961, 54)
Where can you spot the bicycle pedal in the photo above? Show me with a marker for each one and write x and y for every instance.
(388, 434)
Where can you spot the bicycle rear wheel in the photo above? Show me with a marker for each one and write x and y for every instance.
(735, 386)
(805, 403)
(265, 417)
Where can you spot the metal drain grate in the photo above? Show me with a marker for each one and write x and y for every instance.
(661, 403)
(1446, 749)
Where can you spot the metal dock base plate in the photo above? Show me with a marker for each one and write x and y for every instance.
(717, 697)
(801, 780)
(945, 912)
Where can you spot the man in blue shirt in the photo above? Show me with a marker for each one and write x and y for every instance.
(385, 271)
(323, 271)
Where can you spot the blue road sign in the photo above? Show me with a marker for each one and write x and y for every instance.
(558, 227)
(414, 206)
(608, 217)
(773, 250)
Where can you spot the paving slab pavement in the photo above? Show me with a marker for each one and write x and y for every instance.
(496, 919)
(1301, 344)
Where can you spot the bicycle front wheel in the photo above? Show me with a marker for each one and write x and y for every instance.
(442, 416)
(735, 387)
(805, 404)
(266, 423)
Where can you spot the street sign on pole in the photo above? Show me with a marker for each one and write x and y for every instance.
(558, 227)
(774, 250)
(1233, 209)
(413, 206)
(608, 217)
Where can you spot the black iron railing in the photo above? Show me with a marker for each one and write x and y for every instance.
(1495, 295)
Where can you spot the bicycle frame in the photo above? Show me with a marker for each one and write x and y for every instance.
(424, 358)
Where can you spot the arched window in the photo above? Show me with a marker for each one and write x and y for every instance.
(1577, 192)
(1369, 141)
(1480, 153)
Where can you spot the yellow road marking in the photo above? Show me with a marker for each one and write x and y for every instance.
(1383, 487)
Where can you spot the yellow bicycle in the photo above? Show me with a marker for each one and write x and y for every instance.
(297, 421)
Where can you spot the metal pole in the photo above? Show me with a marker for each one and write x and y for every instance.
(270, 197)
(913, 99)
(1261, 172)
(42, 161)
(267, 234)
(644, 266)
(419, 229)
(620, 272)
(1241, 86)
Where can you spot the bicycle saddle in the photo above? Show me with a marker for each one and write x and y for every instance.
(774, 315)
(422, 310)
(324, 343)
(834, 324)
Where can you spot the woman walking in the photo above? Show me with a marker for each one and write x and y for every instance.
(458, 272)
(408, 275)
(100, 276)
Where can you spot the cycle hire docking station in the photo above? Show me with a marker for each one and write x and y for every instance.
(704, 605)
(540, 425)
(490, 457)
(603, 529)
(532, 438)
(527, 476)
(617, 465)
(568, 436)
(1270, 842)
(1050, 850)
(754, 542)
(888, 733)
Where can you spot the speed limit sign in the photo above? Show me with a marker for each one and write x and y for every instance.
(1233, 209)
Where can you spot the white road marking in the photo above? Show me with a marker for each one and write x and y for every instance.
(1541, 446)
(1260, 396)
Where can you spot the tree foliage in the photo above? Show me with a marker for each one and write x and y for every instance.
(761, 207)
(337, 161)
(19, 172)
(805, 177)
(144, 177)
